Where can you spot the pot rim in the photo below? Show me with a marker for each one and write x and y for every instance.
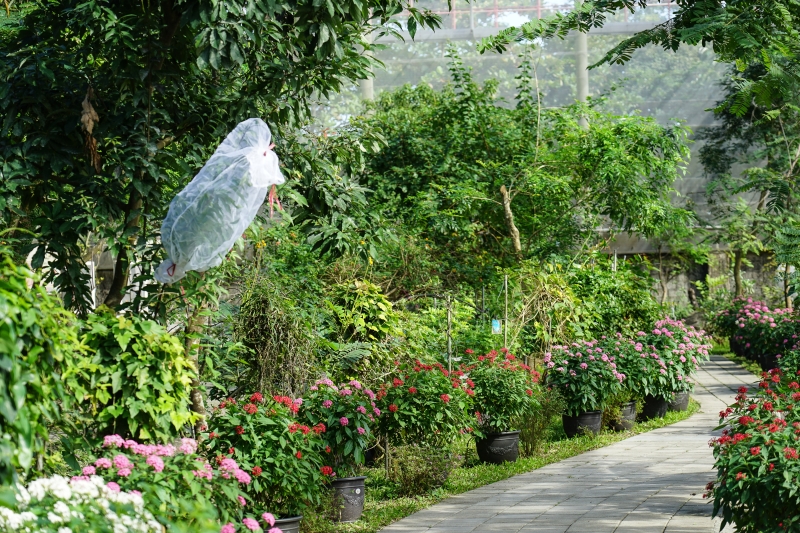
(355, 478)
(289, 519)
(585, 413)
(502, 433)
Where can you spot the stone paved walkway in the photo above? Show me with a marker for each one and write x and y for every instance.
(650, 483)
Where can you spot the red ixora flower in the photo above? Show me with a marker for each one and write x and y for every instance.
(326, 470)
(412, 390)
(790, 453)
(445, 398)
(393, 408)
(256, 397)
(257, 471)
(740, 476)
(231, 451)
(239, 430)
(299, 455)
(529, 392)
(327, 449)
(755, 450)
(397, 382)
(250, 408)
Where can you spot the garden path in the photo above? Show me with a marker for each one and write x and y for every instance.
(650, 483)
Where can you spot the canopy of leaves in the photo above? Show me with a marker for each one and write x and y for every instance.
(111, 106)
(450, 152)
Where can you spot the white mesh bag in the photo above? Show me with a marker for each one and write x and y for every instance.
(217, 206)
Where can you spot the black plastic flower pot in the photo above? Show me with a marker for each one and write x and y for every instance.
(349, 498)
(680, 401)
(289, 525)
(654, 407)
(627, 416)
(499, 448)
(589, 421)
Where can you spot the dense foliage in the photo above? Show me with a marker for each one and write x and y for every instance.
(283, 457)
(37, 341)
(757, 457)
(135, 379)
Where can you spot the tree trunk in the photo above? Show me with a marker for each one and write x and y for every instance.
(737, 272)
(122, 266)
(512, 228)
(193, 327)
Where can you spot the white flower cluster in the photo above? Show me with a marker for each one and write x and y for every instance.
(55, 504)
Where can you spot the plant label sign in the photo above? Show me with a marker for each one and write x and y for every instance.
(497, 329)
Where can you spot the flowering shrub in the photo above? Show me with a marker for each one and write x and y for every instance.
(425, 404)
(58, 505)
(683, 348)
(172, 478)
(503, 390)
(756, 331)
(584, 374)
(137, 380)
(282, 456)
(347, 412)
(758, 470)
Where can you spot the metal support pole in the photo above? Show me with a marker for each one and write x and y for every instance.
(582, 67)
(505, 319)
(449, 336)
(615, 261)
(483, 303)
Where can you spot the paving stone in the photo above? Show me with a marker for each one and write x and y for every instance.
(650, 483)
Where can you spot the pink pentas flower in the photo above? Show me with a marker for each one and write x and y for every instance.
(228, 528)
(327, 404)
(242, 501)
(103, 462)
(228, 464)
(361, 409)
(241, 476)
(89, 470)
(124, 472)
(251, 524)
(113, 487)
(120, 461)
(377, 411)
(188, 446)
(344, 421)
(156, 462)
(113, 440)
(361, 431)
(275, 530)
(268, 518)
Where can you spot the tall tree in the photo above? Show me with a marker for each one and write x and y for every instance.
(109, 107)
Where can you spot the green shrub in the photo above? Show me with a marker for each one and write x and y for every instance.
(503, 387)
(757, 458)
(135, 379)
(362, 312)
(535, 426)
(425, 404)
(177, 484)
(283, 456)
(420, 469)
(37, 337)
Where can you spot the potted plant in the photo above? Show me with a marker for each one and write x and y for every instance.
(348, 412)
(679, 350)
(425, 404)
(503, 396)
(587, 378)
(282, 456)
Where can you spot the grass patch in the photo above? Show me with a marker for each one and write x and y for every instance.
(381, 509)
